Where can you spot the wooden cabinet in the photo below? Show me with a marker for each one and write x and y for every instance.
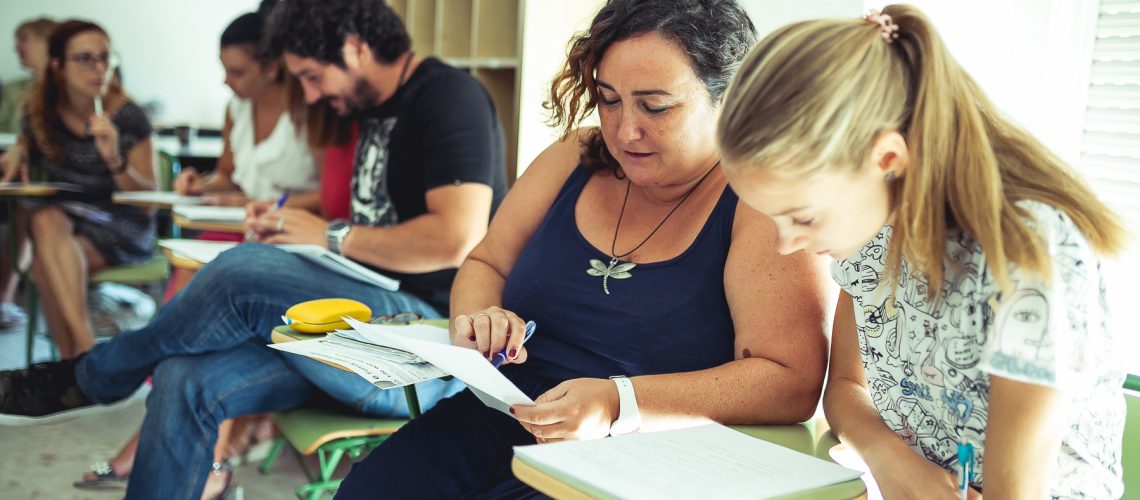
(479, 36)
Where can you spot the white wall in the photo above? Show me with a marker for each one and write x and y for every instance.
(1031, 57)
(549, 24)
(169, 48)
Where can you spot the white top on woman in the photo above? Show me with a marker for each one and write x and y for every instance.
(282, 162)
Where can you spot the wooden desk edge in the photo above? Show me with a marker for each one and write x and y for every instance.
(543, 482)
(180, 262)
(224, 227)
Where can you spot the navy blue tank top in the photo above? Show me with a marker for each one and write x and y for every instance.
(670, 316)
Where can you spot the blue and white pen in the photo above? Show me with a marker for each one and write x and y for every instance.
(965, 466)
(501, 356)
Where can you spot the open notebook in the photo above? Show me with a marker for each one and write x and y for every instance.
(709, 461)
(207, 251)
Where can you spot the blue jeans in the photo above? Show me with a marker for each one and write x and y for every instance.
(207, 351)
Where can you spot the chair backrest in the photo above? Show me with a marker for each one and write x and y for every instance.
(1131, 458)
(164, 166)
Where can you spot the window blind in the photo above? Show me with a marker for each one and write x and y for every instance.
(1110, 148)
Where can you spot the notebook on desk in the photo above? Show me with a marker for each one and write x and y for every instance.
(207, 213)
(708, 461)
(206, 251)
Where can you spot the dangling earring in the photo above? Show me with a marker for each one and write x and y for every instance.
(890, 176)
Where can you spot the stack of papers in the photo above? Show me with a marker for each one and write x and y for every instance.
(164, 198)
(709, 461)
(198, 213)
(402, 355)
(206, 251)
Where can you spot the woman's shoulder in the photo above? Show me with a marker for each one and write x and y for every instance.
(131, 114)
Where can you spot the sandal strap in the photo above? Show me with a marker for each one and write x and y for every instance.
(219, 468)
(102, 468)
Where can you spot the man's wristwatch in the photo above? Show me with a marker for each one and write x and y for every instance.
(629, 417)
(335, 234)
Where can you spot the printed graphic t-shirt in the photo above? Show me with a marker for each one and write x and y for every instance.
(440, 128)
(928, 362)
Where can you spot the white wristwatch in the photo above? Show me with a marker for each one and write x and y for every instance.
(629, 417)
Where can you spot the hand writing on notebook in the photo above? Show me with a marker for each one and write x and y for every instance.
(578, 409)
(901, 473)
(490, 331)
(189, 182)
(287, 225)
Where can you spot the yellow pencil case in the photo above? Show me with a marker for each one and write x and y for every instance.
(324, 315)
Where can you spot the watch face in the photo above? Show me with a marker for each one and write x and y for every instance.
(338, 225)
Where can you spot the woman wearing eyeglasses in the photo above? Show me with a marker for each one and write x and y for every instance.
(65, 139)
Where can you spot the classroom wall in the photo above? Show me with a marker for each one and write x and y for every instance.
(169, 48)
(549, 25)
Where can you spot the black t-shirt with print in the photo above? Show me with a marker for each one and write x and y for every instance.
(439, 129)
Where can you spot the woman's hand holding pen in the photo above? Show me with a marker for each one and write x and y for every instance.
(490, 331)
(576, 409)
(901, 473)
(106, 136)
(287, 225)
(189, 182)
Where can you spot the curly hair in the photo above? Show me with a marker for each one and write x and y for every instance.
(317, 29)
(49, 90)
(714, 34)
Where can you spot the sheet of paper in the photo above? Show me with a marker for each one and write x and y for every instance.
(342, 265)
(207, 213)
(492, 387)
(157, 197)
(380, 372)
(197, 250)
(709, 461)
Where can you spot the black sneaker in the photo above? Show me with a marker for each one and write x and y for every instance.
(40, 393)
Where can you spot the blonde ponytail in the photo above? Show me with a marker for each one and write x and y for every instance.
(812, 97)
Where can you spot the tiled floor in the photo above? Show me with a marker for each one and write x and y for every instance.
(41, 462)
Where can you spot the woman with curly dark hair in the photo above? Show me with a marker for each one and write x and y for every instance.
(625, 245)
(67, 139)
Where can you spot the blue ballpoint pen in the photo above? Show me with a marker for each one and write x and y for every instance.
(501, 356)
(281, 201)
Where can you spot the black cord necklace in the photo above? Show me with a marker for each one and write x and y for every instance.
(617, 269)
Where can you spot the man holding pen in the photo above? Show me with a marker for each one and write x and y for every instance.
(428, 174)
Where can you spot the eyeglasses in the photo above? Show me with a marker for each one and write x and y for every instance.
(88, 60)
(403, 318)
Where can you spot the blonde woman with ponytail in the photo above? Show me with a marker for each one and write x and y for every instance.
(973, 311)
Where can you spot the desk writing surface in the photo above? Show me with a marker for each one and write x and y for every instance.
(813, 438)
(222, 227)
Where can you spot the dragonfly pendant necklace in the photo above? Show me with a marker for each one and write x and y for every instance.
(617, 269)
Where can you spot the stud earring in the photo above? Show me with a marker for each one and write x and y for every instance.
(890, 176)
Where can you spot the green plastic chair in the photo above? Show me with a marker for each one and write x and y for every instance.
(153, 271)
(1131, 458)
(331, 436)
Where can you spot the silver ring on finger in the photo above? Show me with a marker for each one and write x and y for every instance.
(280, 224)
